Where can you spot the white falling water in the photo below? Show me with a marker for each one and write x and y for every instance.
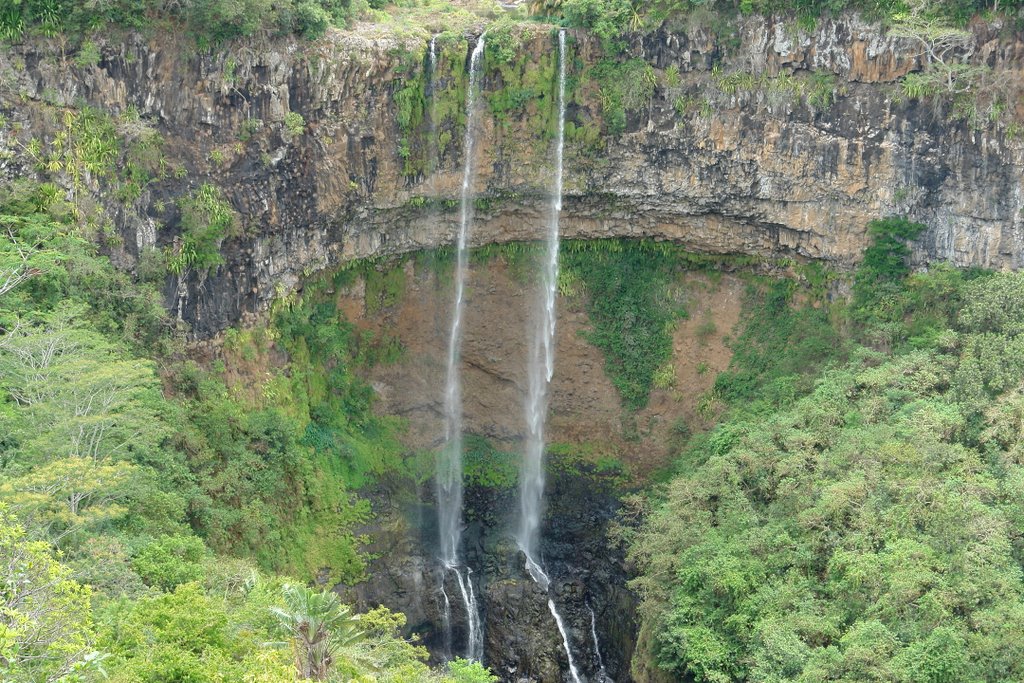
(602, 675)
(449, 462)
(446, 619)
(565, 641)
(475, 643)
(540, 369)
(446, 603)
(446, 609)
(541, 364)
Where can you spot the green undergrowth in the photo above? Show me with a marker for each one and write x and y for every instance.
(206, 220)
(634, 297)
(325, 351)
(525, 85)
(616, 22)
(260, 452)
(487, 466)
(594, 459)
(384, 288)
(622, 87)
(633, 294)
(780, 349)
(255, 456)
(791, 332)
(430, 105)
(827, 527)
(207, 22)
(88, 149)
(631, 307)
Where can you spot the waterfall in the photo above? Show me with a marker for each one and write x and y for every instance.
(432, 62)
(540, 369)
(541, 364)
(565, 641)
(446, 605)
(446, 620)
(475, 643)
(602, 675)
(449, 462)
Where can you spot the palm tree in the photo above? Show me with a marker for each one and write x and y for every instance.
(319, 626)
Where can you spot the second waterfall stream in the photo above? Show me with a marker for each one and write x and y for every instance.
(540, 369)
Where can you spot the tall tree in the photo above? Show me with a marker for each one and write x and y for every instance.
(45, 623)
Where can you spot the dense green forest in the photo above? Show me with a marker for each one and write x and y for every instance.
(857, 523)
(151, 514)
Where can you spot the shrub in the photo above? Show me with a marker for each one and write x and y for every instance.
(206, 219)
(170, 561)
(294, 123)
(88, 55)
(464, 671)
(885, 262)
(217, 21)
(608, 19)
(311, 20)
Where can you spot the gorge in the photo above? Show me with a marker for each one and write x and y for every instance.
(479, 313)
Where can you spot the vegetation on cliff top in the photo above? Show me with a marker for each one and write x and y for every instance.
(212, 22)
(209, 21)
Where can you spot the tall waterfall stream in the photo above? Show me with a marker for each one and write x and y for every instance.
(449, 464)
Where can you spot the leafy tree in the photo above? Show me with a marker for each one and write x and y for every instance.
(994, 305)
(82, 417)
(26, 251)
(46, 629)
(179, 636)
(83, 413)
(170, 561)
(185, 618)
(945, 45)
(384, 650)
(464, 671)
(71, 493)
(103, 563)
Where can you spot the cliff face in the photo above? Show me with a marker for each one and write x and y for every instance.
(587, 426)
(746, 166)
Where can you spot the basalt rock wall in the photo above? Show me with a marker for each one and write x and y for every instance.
(753, 169)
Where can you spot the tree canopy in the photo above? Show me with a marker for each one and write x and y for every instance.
(869, 531)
